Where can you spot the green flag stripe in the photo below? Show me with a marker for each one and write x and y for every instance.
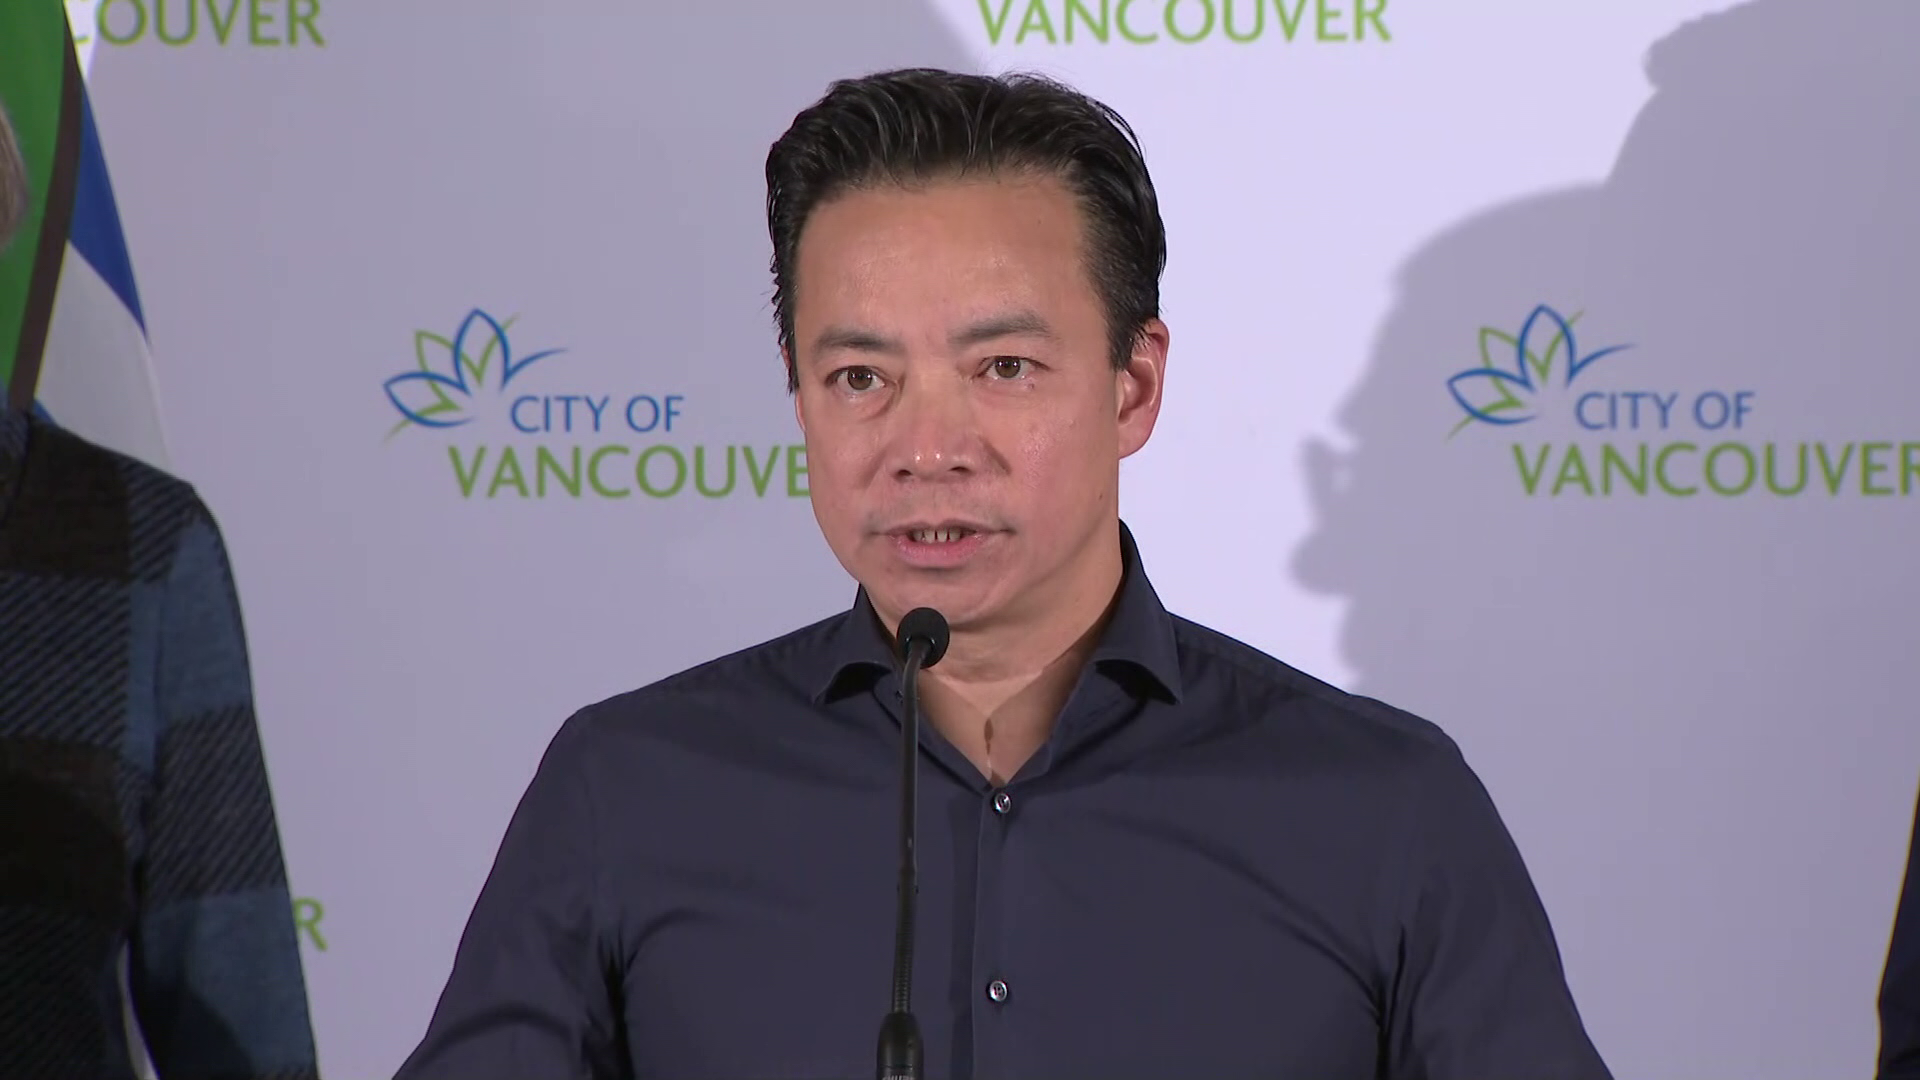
(37, 312)
(40, 86)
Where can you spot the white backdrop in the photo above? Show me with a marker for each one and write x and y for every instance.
(1692, 706)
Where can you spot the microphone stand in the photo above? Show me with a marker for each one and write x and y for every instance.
(923, 635)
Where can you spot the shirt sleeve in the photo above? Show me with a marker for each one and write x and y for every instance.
(1480, 991)
(214, 966)
(1900, 983)
(533, 991)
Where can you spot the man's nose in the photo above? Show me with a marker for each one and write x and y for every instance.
(937, 434)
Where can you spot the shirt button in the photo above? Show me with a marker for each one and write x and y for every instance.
(997, 990)
(1002, 802)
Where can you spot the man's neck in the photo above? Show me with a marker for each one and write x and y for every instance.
(997, 693)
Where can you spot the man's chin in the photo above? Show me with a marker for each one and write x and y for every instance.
(960, 601)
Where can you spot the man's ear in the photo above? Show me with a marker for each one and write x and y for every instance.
(1138, 386)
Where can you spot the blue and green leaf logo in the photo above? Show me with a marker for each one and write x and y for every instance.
(1516, 368)
(566, 434)
(1657, 438)
(452, 373)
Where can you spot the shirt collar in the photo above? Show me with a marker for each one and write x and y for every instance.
(1138, 639)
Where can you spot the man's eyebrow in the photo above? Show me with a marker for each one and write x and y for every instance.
(1011, 324)
(854, 339)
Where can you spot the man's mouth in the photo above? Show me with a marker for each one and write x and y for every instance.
(945, 535)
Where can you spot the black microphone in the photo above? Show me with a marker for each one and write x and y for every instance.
(922, 641)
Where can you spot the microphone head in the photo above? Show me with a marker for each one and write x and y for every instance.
(929, 626)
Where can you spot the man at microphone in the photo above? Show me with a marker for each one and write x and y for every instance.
(1143, 849)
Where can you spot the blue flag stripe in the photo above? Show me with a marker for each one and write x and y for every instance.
(95, 231)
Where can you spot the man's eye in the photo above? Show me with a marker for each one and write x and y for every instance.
(858, 380)
(1009, 367)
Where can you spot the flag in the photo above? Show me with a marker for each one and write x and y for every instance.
(73, 338)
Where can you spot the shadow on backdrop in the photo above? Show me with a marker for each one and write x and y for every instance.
(1693, 707)
(295, 213)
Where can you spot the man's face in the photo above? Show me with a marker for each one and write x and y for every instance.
(963, 419)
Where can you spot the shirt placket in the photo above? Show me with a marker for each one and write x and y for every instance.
(997, 900)
(992, 978)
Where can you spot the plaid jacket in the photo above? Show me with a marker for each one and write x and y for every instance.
(135, 812)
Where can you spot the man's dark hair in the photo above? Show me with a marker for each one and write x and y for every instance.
(921, 124)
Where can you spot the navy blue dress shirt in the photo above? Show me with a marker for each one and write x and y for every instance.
(1900, 985)
(1216, 867)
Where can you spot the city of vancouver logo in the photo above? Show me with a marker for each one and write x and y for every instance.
(1602, 436)
(452, 374)
(520, 424)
